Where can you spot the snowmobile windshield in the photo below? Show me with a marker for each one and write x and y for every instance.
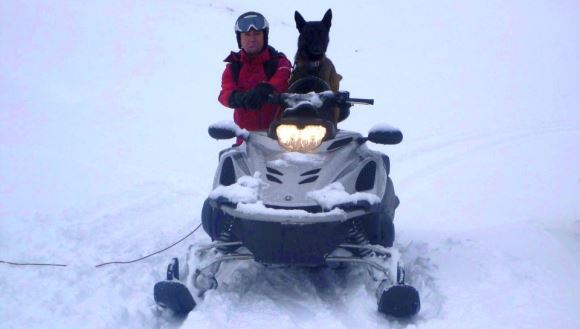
(304, 123)
(316, 100)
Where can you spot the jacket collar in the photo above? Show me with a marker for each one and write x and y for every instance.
(242, 56)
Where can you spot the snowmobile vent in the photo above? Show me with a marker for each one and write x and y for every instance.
(274, 171)
(339, 143)
(310, 172)
(273, 179)
(309, 180)
(366, 177)
(228, 173)
(310, 209)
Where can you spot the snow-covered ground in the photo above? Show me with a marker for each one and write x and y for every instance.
(104, 156)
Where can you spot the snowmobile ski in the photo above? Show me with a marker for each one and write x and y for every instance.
(175, 296)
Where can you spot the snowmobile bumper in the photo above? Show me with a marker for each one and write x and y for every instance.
(283, 238)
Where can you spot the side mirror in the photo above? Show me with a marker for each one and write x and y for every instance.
(226, 130)
(385, 134)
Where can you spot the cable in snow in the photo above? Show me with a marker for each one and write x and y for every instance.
(119, 262)
(32, 264)
(155, 253)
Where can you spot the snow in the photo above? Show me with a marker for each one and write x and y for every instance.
(104, 155)
(246, 193)
(246, 190)
(258, 208)
(334, 194)
(383, 127)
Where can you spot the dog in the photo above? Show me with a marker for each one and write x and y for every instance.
(310, 59)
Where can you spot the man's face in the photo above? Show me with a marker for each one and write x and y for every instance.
(252, 41)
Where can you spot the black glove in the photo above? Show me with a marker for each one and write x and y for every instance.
(258, 96)
(248, 100)
(264, 89)
(252, 99)
(237, 99)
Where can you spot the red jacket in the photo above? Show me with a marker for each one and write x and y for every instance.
(252, 73)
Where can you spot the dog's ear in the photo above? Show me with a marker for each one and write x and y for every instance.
(299, 21)
(327, 18)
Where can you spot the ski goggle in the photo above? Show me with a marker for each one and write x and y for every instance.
(256, 22)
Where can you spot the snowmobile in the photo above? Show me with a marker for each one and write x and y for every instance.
(303, 193)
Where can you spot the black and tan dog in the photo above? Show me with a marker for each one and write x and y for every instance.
(311, 57)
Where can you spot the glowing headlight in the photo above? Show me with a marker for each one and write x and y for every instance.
(300, 140)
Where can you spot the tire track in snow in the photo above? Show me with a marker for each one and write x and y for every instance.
(309, 297)
(482, 143)
(461, 137)
(421, 273)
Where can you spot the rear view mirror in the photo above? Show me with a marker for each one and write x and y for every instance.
(385, 134)
(226, 130)
(221, 133)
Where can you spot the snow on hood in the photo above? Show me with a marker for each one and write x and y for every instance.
(245, 190)
(260, 208)
(334, 194)
(245, 193)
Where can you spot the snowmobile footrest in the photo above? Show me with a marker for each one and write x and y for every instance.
(175, 296)
(401, 301)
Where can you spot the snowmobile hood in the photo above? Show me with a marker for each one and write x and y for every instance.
(316, 182)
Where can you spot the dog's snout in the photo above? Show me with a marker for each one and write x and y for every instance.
(316, 49)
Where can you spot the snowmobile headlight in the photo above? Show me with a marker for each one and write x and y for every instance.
(295, 139)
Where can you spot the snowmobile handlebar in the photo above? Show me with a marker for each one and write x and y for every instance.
(336, 98)
(342, 97)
